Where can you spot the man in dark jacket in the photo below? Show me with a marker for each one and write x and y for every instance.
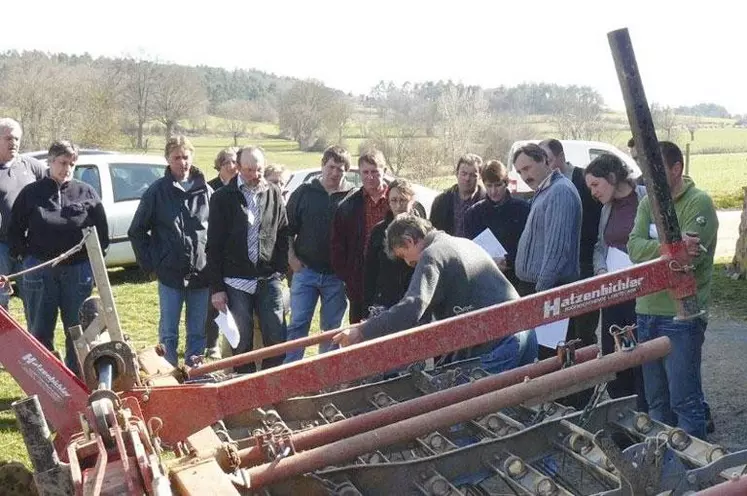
(452, 276)
(311, 208)
(352, 225)
(168, 234)
(504, 215)
(448, 209)
(16, 171)
(247, 251)
(226, 163)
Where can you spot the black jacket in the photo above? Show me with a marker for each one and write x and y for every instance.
(310, 212)
(591, 211)
(169, 231)
(506, 221)
(442, 210)
(227, 251)
(216, 183)
(384, 280)
(47, 219)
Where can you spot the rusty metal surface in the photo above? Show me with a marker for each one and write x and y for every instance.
(351, 447)
(39, 372)
(212, 402)
(201, 477)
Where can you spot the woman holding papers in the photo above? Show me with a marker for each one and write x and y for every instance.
(385, 280)
(608, 179)
(503, 216)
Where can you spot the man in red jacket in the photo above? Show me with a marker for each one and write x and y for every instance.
(354, 219)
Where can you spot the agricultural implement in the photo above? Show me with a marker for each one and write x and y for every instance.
(376, 418)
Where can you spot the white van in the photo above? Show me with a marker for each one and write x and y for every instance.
(579, 153)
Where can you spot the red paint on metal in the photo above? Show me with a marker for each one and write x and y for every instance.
(262, 353)
(209, 403)
(735, 487)
(349, 448)
(61, 394)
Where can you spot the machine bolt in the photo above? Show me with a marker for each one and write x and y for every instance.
(620, 415)
(515, 467)
(437, 442)
(679, 439)
(439, 487)
(692, 479)
(546, 487)
(642, 423)
(146, 397)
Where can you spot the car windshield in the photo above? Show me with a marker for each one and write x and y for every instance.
(129, 181)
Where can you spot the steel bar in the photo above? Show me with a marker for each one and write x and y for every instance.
(554, 382)
(652, 165)
(335, 431)
(734, 487)
(212, 402)
(326, 434)
(266, 352)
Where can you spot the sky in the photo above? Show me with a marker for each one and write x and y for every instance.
(686, 55)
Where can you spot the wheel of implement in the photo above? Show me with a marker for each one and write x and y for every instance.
(16, 480)
(88, 311)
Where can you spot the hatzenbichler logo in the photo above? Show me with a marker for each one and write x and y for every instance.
(610, 291)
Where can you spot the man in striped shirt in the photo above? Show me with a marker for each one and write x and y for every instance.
(247, 251)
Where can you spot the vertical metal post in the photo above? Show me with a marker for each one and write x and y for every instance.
(98, 267)
(51, 476)
(647, 145)
(687, 159)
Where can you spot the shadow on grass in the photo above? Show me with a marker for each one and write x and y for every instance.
(128, 275)
(6, 402)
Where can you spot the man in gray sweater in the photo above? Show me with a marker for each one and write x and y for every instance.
(548, 252)
(16, 171)
(452, 276)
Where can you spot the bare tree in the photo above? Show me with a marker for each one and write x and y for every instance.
(136, 91)
(309, 110)
(665, 119)
(237, 114)
(178, 94)
(577, 112)
(463, 113)
(29, 85)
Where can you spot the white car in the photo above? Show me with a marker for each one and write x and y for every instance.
(120, 181)
(579, 153)
(423, 195)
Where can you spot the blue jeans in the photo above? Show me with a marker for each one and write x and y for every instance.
(511, 352)
(307, 286)
(267, 302)
(8, 266)
(171, 301)
(63, 288)
(673, 384)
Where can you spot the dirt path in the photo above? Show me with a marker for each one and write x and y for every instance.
(725, 381)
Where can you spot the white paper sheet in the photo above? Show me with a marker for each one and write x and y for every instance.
(490, 244)
(617, 259)
(228, 327)
(652, 232)
(550, 334)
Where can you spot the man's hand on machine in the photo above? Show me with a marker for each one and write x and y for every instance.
(348, 337)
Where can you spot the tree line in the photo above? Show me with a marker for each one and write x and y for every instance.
(96, 101)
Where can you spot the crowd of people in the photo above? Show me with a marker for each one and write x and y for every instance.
(228, 244)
